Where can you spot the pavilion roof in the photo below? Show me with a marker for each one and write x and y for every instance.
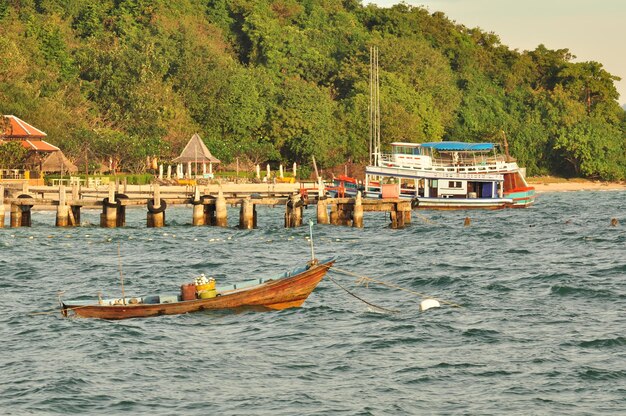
(196, 151)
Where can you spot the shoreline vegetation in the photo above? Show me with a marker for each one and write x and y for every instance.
(117, 83)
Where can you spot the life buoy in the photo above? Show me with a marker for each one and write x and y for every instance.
(297, 204)
(25, 208)
(116, 204)
(158, 210)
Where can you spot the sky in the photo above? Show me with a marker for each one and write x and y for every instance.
(592, 30)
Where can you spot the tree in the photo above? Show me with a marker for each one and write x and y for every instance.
(303, 124)
(12, 155)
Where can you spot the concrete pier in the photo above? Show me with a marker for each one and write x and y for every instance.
(221, 213)
(199, 214)
(108, 218)
(293, 211)
(357, 211)
(156, 210)
(322, 211)
(400, 214)
(341, 213)
(207, 209)
(2, 206)
(247, 215)
(21, 210)
(16, 216)
(63, 216)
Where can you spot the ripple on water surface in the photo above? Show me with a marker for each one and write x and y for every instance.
(539, 330)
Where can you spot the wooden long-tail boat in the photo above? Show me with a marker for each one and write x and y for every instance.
(288, 290)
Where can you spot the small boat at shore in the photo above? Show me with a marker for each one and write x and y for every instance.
(288, 290)
(344, 186)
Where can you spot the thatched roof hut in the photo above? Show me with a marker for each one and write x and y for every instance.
(57, 162)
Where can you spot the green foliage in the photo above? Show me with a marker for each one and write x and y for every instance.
(12, 155)
(4, 10)
(116, 81)
(143, 179)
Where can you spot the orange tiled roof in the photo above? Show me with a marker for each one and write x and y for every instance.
(39, 145)
(36, 145)
(19, 129)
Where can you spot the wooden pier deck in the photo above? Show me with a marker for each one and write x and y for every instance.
(208, 206)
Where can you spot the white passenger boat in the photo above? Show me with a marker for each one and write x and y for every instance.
(449, 175)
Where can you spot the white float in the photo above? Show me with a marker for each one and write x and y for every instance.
(426, 304)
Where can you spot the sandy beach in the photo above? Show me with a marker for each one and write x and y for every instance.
(551, 184)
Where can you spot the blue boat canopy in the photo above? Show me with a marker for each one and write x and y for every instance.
(458, 146)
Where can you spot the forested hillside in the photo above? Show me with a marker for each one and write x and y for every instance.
(284, 80)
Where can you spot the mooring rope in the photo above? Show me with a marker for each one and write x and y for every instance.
(425, 219)
(361, 299)
(365, 279)
(57, 310)
(63, 309)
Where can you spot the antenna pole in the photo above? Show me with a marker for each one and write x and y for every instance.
(119, 258)
(311, 239)
(377, 125)
(371, 105)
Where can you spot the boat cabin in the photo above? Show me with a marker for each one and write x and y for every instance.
(443, 154)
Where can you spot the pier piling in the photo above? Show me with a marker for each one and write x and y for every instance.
(156, 210)
(16, 216)
(221, 213)
(322, 211)
(108, 218)
(357, 211)
(21, 213)
(247, 214)
(293, 211)
(2, 206)
(207, 209)
(199, 217)
(62, 209)
(334, 215)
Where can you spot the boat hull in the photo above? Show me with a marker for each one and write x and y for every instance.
(449, 204)
(522, 197)
(517, 197)
(287, 292)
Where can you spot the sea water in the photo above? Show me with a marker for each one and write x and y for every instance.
(541, 327)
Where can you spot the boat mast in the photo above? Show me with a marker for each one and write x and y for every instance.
(119, 260)
(370, 115)
(311, 240)
(374, 107)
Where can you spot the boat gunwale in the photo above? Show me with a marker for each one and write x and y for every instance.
(195, 305)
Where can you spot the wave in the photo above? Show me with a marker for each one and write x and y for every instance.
(600, 374)
(603, 343)
(566, 290)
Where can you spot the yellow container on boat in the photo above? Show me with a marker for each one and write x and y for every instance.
(208, 294)
(206, 286)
